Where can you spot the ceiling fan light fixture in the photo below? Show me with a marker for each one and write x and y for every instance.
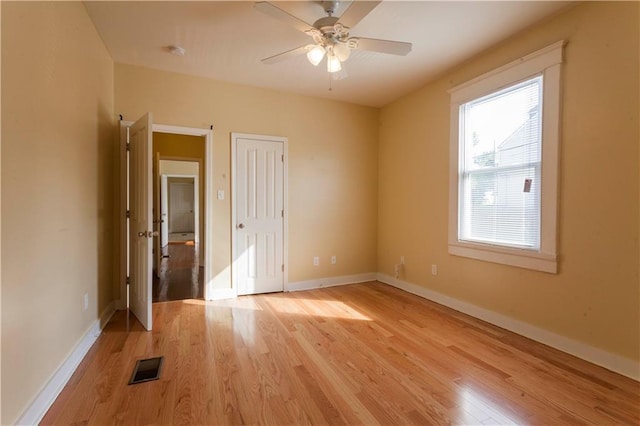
(341, 51)
(315, 54)
(333, 63)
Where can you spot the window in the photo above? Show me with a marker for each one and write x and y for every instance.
(504, 163)
(499, 191)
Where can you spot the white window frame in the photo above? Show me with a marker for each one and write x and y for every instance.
(546, 61)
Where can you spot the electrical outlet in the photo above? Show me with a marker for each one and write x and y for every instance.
(86, 301)
(434, 269)
(334, 260)
(316, 261)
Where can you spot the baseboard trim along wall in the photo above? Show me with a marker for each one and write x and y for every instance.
(48, 394)
(613, 362)
(330, 281)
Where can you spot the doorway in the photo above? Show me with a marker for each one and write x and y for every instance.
(178, 208)
(136, 271)
(181, 209)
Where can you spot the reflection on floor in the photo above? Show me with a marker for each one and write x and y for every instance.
(180, 237)
(180, 275)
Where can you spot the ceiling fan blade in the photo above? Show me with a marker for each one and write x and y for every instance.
(356, 12)
(275, 12)
(285, 55)
(383, 46)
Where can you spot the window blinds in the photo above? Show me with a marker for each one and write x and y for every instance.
(500, 146)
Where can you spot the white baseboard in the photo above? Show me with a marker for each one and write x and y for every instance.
(48, 394)
(613, 362)
(330, 282)
(229, 293)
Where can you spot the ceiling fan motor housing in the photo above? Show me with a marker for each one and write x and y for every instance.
(330, 7)
(329, 31)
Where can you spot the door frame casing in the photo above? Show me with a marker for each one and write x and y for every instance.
(285, 199)
(201, 166)
(123, 301)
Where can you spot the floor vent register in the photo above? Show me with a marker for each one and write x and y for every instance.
(146, 370)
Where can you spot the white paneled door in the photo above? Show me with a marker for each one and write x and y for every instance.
(259, 215)
(182, 204)
(140, 223)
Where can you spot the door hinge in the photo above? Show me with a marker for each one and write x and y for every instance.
(128, 146)
(128, 214)
(283, 158)
(282, 213)
(128, 281)
(283, 267)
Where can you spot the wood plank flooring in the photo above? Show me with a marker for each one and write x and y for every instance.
(358, 354)
(180, 275)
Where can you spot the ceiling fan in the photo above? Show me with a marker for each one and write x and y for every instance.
(331, 34)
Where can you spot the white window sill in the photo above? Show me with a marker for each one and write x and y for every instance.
(506, 256)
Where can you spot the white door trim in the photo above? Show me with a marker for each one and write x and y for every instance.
(164, 216)
(208, 203)
(285, 233)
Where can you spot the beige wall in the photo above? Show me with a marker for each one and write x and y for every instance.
(179, 167)
(332, 162)
(57, 174)
(595, 296)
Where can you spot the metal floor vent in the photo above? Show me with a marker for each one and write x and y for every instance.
(146, 370)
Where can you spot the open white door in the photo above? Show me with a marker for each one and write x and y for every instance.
(140, 225)
(259, 214)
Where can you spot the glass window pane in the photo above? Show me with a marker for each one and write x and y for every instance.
(500, 176)
(504, 128)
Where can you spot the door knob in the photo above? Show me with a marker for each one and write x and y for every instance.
(148, 234)
(241, 226)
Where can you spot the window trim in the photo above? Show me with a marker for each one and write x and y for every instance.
(546, 61)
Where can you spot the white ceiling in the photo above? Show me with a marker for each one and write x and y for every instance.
(226, 41)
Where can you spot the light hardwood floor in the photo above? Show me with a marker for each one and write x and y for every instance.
(358, 354)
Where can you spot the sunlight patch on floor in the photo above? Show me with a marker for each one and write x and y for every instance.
(287, 305)
(195, 302)
(321, 308)
(484, 411)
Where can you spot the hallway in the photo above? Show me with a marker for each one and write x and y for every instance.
(180, 274)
